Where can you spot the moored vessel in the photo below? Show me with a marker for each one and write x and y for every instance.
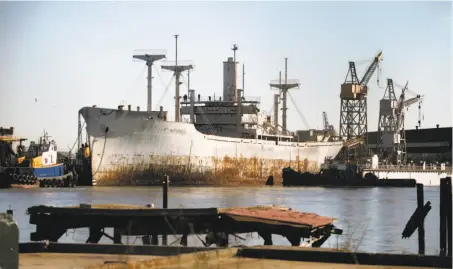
(36, 166)
(223, 140)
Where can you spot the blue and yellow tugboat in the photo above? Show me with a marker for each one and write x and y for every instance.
(36, 166)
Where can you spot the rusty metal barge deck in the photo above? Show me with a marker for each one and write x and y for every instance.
(217, 223)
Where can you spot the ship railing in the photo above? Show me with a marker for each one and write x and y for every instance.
(410, 167)
(256, 99)
(214, 98)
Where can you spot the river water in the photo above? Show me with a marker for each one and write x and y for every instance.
(372, 218)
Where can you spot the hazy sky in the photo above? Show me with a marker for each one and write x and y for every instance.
(73, 54)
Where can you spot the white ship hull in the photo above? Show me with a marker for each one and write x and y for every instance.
(138, 151)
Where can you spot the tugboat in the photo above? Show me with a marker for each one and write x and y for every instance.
(36, 167)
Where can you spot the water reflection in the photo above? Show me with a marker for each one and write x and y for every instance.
(372, 218)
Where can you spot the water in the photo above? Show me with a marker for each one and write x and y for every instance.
(372, 218)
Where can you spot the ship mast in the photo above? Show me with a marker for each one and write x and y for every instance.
(235, 90)
(284, 87)
(177, 69)
(284, 93)
(243, 78)
(149, 59)
(188, 82)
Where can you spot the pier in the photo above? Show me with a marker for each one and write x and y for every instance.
(217, 223)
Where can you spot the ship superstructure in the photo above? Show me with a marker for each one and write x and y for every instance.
(232, 114)
(225, 139)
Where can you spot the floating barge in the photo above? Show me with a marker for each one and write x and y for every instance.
(336, 178)
(217, 223)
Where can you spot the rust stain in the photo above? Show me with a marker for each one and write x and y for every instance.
(281, 215)
(185, 170)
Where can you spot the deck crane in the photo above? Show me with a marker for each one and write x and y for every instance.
(353, 113)
(391, 132)
(328, 129)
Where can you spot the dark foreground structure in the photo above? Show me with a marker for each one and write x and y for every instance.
(150, 257)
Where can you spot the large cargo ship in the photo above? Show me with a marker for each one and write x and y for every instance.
(221, 142)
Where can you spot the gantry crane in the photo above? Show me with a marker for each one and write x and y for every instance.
(353, 114)
(387, 119)
(391, 132)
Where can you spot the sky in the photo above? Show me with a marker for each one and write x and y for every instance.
(57, 57)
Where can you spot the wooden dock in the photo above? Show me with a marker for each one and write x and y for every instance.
(217, 223)
(113, 257)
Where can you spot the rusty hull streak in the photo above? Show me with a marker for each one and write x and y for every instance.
(228, 171)
(279, 214)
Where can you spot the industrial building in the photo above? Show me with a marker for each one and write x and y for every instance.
(433, 144)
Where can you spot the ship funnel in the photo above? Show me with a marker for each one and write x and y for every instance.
(229, 92)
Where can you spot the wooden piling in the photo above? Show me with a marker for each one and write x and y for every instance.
(166, 182)
(421, 227)
(448, 200)
(443, 218)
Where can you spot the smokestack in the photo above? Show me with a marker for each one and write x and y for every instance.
(229, 93)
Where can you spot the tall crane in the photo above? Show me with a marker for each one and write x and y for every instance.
(387, 126)
(353, 113)
(391, 131)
